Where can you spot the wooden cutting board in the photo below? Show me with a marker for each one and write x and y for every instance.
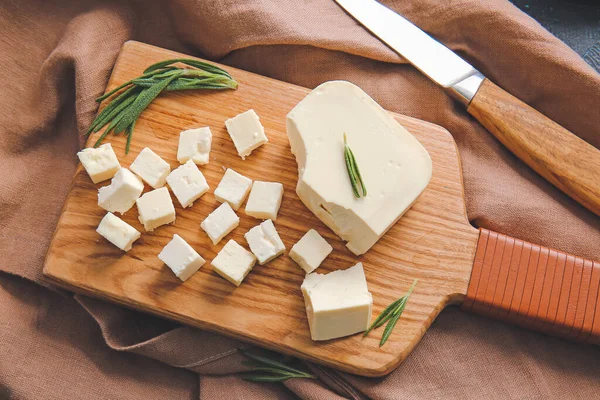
(432, 242)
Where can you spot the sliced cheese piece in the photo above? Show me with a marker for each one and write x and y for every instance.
(394, 166)
(337, 304)
(265, 200)
(187, 183)
(118, 232)
(100, 163)
(264, 241)
(233, 189)
(233, 262)
(194, 144)
(220, 222)
(310, 251)
(151, 168)
(121, 194)
(246, 132)
(181, 258)
(155, 208)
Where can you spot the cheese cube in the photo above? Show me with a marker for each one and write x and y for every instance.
(117, 231)
(220, 222)
(187, 183)
(183, 260)
(233, 189)
(310, 251)
(101, 163)
(194, 144)
(155, 208)
(121, 194)
(151, 168)
(264, 200)
(337, 304)
(233, 262)
(264, 242)
(246, 132)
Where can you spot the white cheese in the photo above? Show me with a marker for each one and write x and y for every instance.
(100, 163)
(337, 304)
(264, 241)
(117, 231)
(121, 194)
(233, 189)
(395, 167)
(265, 200)
(246, 132)
(310, 251)
(155, 208)
(220, 222)
(233, 262)
(187, 183)
(194, 144)
(181, 258)
(151, 168)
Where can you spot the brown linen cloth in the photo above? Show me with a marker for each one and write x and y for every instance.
(56, 57)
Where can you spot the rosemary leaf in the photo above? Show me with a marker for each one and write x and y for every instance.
(266, 378)
(383, 317)
(389, 328)
(141, 102)
(353, 171)
(391, 314)
(116, 110)
(136, 94)
(193, 63)
(102, 117)
(357, 172)
(273, 371)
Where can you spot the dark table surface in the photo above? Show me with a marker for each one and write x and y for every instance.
(575, 22)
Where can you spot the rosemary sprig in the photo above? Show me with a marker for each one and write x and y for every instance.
(132, 97)
(391, 315)
(267, 370)
(353, 172)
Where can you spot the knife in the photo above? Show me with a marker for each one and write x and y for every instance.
(565, 160)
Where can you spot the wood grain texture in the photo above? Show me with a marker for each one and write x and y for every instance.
(432, 242)
(568, 162)
(524, 284)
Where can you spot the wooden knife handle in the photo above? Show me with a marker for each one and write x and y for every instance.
(568, 162)
(535, 287)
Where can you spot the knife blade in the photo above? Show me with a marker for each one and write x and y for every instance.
(568, 162)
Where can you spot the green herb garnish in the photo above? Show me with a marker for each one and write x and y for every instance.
(353, 171)
(391, 315)
(267, 370)
(135, 95)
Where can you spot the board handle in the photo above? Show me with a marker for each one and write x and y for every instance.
(535, 287)
(568, 162)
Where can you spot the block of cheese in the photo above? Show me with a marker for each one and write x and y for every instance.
(394, 166)
(117, 231)
(337, 304)
(155, 208)
(151, 168)
(265, 200)
(121, 194)
(264, 241)
(187, 183)
(194, 144)
(233, 262)
(246, 132)
(181, 258)
(233, 189)
(310, 251)
(220, 222)
(100, 163)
